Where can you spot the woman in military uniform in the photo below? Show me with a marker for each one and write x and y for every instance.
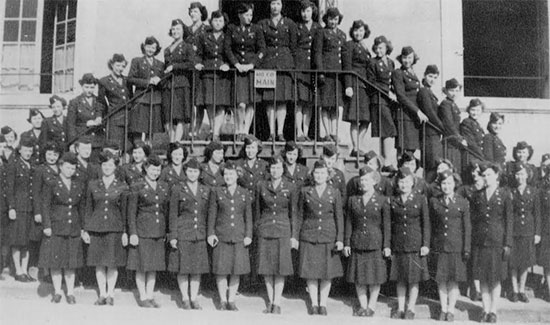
(105, 227)
(133, 172)
(494, 149)
(11, 142)
(384, 184)
(146, 73)
(253, 169)
(451, 239)
(336, 177)
(320, 230)
(410, 242)
(187, 234)
(367, 240)
(36, 119)
(173, 173)
(275, 213)
(302, 60)
(229, 233)
(327, 55)
(472, 132)
(215, 91)
(61, 249)
(449, 113)
(526, 230)
(147, 216)
(280, 34)
(543, 248)
(419, 183)
(379, 72)
(211, 169)
(521, 153)
(177, 107)
(55, 126)
(356, 57)
(294, 172)
(492, 230)
(245, 49)
(114, 92)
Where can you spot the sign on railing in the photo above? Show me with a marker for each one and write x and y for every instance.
(265, 78)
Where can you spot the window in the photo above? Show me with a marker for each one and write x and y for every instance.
(64, 42)
(20, 42)
(506, 48)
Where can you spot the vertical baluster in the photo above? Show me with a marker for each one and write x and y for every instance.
(151, 117)
(317, 113)
(424, 149)
(171, 122)
(336, 83)
(194, 110)
(274, 115)
(213, 126)
(357, 102)
(295, 102)
(125, 144)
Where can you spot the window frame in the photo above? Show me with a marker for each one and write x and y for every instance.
(67, 88)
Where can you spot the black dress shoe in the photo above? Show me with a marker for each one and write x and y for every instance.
(223, 305)
(21, 278)
(145, 304)
(29, 278)
(271, 138)
(397, 314)
(195, 305)
(323, 310)
(268, 309)
(231, 306)
(185, 305)
(110, 301)
(484, 317)
(475, 296)
(314, 310)
(369, 312)
(523, 297)
(492, 318)
(281, 138)
(56, 298)
(409, 315)
(71, 300)
(276, 310)
(513, 297)
(360, 312)
(101, 301)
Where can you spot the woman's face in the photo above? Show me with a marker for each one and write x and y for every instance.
(381, 49)
(367, 182)
(67, 170)
(452, 93)
(276, 171)
(491, 177)
(522, 155)
(88, 89)
(307, 14)
(51, 157)
(276, 6)
(177, 31)
(291, 156)
(153, 172)
(10, 138)
(25, 152)
(192, 174)
(195, 14)
(84, 150)
(475, 112)
(36, 121)
(330, 161)
(333, 22)
(177, 156)
(521, 177)
(252, 150)
(476, 176)
(497, 126)
(411, 164)
(118, 68)
(108, 167)
(431, 78)
(150, 50)
(246, 18)
(217, 156)
(448, 185)
(57, 108)
(138, 155)
(442, 167)
(358, 33)
(407, 60)
(320, 175)
(230, 176)
(218, 24)
(405, 185)
(373, 164)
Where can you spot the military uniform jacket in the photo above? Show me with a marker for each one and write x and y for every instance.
(3, 194)
(131, 174)
(492, 220)
(327, 49)
(230, 216)
(244, 45)
(80, 112)
(56, 131)
(383, 187)
(451, 226)
(449, 114)
(381, 75)
(355, 58)
(43, 176)
(210, 178)
(304, 44)
(410, 223)
(473, 133)
(508, 179)
(193, 37)
(170, 176)
(427, 103)
(368, 226)
(526, 211)
(320, 219)
(105, 209)
(406, 86)
(545, 216)
(148, 209)
(39, 142)
(211, 51)
(275, 209)
(493, 149)
(280, 41)
(182, 58)
(19, 180)
(252, 175)
(188, 212)
(112, 95)
(140, 75)
(84, 174)
(63, 208)
(298, 178)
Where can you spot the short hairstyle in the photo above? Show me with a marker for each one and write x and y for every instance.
(142, 145)
(308, 4)
(358, 24)
(52, 146)
(382, 39)
(152, 161)
(406, 51)
(150, 40)
(176, 22)
(332, 13)
(219, 14)
(210, 148)
(173, 146)
(405, 157)
(493, 118)
(291, 146)
(475, 102)
(105, 156)
(520, 146)
(56, 98)
(277, 159)
(116, 58)
(249, 140)
(244, 7)
(202, 9)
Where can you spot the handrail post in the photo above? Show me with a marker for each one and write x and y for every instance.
(380, 139)
(357, 102)
(317, 113)
(296, 104)
(151, 118)
(424, 149)
(274, 115)
(235, 113)
(125, 144)
(213, 126)
(194, 111)
(171, 122)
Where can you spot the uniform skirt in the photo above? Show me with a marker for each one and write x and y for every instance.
(176, 105)
(488, 265)
(448, 267)
(319, 261)
(284, 90)
(356, 108)
(409, 268)
(61, 252)
(244, 88)
(408, 132)
(382, 120)
(18, 230)
(330, 92)
(274, 256)
(35, 230)
(366, 268)
(305, 88)
(522, 254)
(191, 257)
(106, 250)
(148, 256)
(220, 95)
(543, 252)
(139, 118)
(230, 259)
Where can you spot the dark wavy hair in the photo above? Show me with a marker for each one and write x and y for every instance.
(150, 40)
(358, 24)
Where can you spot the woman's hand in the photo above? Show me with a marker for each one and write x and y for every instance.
(393, 97)
(124, 239)
(85, 237)
(134, 240)
(174, 243)
(12, 214)
(90, 123)
(224, 67)
(349, 92)
(386, 252)
(240, 67)
(47, 232)
(169, 69)
(347, 251)
(339, 246)
(38, 218)
(154, 81)
(424, 251)
(294, 243)
(247, 241)
(422, 117)
(505, 252)
(537, 239)
(199, 66)
(212, 240)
